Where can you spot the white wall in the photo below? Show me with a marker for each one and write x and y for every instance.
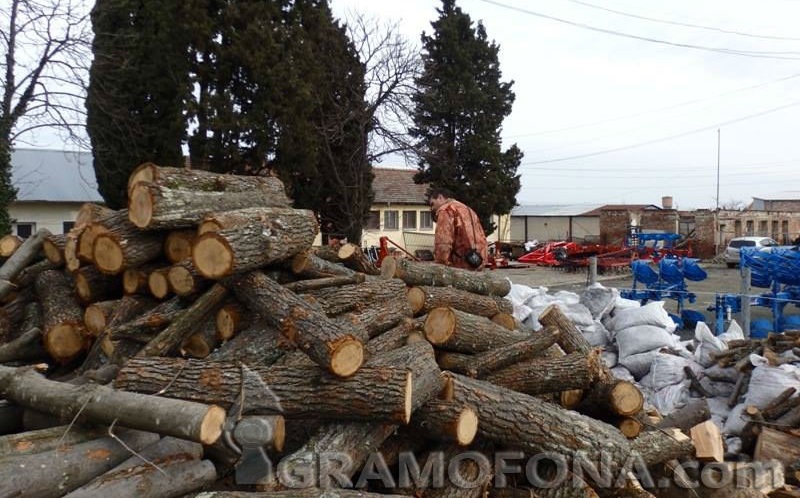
(49, 215)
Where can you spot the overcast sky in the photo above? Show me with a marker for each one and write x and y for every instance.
(588, 93)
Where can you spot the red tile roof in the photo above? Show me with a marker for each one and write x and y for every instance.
(396, 186)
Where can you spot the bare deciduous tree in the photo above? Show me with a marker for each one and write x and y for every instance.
(391, 63)
(47, 47)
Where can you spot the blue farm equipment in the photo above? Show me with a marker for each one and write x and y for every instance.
(668, 283)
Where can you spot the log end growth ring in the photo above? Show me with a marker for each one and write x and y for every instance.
(140, 206)
(108, 255)
(64, 341)
(158, 284)
(181, 280)
(211, 428)
(505, 320)
(416, 299)
(347, 357)
(627, 398)
(95, 320)
(440, 325)
(52, 253)
(212, 256)
(467, 427)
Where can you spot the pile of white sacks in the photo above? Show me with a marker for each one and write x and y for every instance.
(640, 345)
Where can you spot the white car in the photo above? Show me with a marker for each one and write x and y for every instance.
(731, 254)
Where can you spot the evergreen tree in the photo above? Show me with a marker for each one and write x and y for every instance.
(460, 106)
(138, 87)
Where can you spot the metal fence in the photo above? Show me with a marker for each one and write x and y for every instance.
(421, 245)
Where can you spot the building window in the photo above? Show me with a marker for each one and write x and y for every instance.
(749, 229)
(24, 230)
(425, 220)
(390, 220)
(409, 220)
(67, 226)
(374, 220)
(762, 228)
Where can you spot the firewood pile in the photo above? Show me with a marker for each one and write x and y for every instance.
(197, 343)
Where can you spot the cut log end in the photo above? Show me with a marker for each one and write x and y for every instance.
(467, 427)
(572, 398)
(630, 427)
(228, 319)
(416, 299)
(145, 172)
(178, 245)
(140, 206)
(212, 256)
(347, 357)
(409, 399)
(83, 288)
(9, 244)
(196, 346)
(158, 284)
(131, 280)
(388, 268)
(64, 342)
(211, 428)
(95, 320)
(108, 255)
(440, 325)
(505, 320)
(181, 280)
(627, 398)
(52, 253)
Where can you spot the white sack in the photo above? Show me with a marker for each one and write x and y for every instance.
(642, 338)
(638, 364)
(520, 294)
(767, 382)
(609, 358)
(736, 421)
(706, 344)
(653, 313)
(600, 300)
(596, 334)
(622, 373)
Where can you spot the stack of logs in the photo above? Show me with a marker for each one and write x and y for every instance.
(181, 344)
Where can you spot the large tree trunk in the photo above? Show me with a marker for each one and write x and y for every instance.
(359, 297)
(354, 258)
(206, 181)
(414, 273)
(125, 246)
(169, 467)
(423, 299)
(455, 330)
(185, 280)
(154, 207)
(186, 323)
(253, 238)
(374, 393)
(541, 375)
(28, 276)
(317, 336)
(39, 441)
(55, 472)
(91, 285)
(178, 245)
(534, 425)
(306, 264)
(100, 404)
(53, 248)
(64, 334)
(20, 260)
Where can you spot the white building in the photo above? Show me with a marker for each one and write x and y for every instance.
(51, 187)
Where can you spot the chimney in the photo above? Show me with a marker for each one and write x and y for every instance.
(666, 202)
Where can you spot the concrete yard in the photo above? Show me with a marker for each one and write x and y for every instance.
(720, 280)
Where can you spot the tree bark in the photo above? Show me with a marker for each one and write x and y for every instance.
(375, 393)
(316, 335)
(781, 404)
(300, 493)
(28, 276)
(103, 405)
(662, 445)
(153, 207)
(169, 467)
(206, 181)
(375, 319)
(304, 286)
(53, 248)
(182, 326)
(541, 376)
(528, 423)
(185, 280)
(22, 258)
(447, 421)
(178, 245)
(423, 299)
(253, 238)
(695, 412)
(414, 273)
(71, 260)
(12, 314)
(39, 441)
(158, 283)
(260, 344)
(482, 364)
(392, 339)
(26, 347)
(359, 297)
(92, 285)
(90, 212)
(455, 330)
(64, 334)
(308, 265)
(354, 258)
(618, 397)
(55, 472)
(9, 244)
(125, 246)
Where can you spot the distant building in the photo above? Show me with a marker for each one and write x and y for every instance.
(51, 187)
(555, 222)
(776, 215)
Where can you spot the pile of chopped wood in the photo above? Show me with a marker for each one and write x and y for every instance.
(195, 342)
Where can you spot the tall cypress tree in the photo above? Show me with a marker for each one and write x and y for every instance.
(460, 106)
(138, 87)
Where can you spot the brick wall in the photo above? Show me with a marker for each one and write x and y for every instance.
(790, 206)
(704, 230)
(614, 226)
(666, 220)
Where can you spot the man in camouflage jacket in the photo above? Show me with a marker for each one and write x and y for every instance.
(458, 230)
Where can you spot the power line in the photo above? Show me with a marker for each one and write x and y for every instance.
(661, 109)
(743, 53)
(672, 167)
(656, 187)
(687, 25)
(667, 138)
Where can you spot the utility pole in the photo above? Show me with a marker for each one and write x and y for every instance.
(717, 229)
